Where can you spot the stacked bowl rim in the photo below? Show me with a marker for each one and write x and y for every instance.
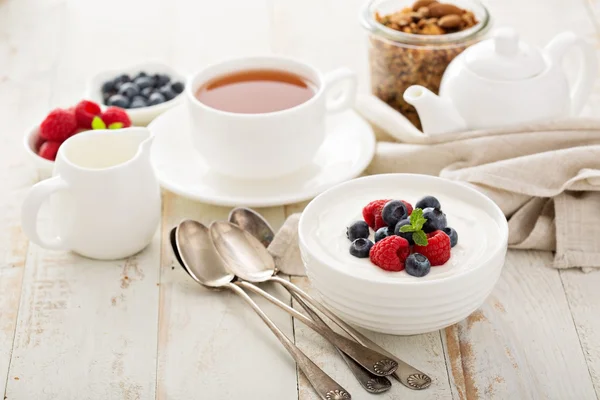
(497, 250)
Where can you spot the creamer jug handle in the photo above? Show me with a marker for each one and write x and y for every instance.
(37, 195)
(588, 66)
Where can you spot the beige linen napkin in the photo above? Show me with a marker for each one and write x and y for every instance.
(284, 248)
(545, 176)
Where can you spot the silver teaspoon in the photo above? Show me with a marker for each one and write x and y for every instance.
(193, 249)
(244, 256)
(406, 374)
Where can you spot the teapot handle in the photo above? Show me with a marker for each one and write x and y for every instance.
(588, 69)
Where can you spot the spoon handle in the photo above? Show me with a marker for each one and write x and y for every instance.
(323, 384)
(371, 383)
(374, 362)
(406, 374)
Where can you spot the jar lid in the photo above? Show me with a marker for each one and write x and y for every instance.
(504, 57)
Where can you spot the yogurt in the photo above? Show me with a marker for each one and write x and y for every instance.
(477, 232)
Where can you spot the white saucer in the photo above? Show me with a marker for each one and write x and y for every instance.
(346, 152)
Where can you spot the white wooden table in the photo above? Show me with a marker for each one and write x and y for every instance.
(72, 328)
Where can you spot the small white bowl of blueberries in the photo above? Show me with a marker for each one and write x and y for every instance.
(145, 90)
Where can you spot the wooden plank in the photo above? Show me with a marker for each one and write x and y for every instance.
(86, 329)
(211, 345)
(208, 339)
(522, 342)
(584, 303)
(24, 94)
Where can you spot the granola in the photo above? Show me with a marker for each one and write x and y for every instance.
(395, 65)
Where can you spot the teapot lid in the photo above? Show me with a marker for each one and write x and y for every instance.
(504, 57)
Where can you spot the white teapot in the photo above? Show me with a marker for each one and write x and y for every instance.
(503, 81)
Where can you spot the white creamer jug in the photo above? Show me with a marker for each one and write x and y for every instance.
(105, 195)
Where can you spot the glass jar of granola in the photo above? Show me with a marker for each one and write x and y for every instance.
(412, 43)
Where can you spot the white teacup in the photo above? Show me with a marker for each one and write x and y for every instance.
(266, 145)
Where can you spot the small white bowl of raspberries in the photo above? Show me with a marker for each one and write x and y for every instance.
(43, 140)
(401, 253)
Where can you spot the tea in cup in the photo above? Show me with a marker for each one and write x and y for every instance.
(263, 117)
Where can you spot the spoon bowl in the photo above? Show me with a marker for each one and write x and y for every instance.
(243, 254)
(197, 255)
(251, 221)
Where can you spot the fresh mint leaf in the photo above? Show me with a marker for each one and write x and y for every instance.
(420, 238)
(407, 228)
(417, 220)
(97, 123)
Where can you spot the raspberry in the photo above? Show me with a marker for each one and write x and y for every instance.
(115, 115)
(48, 150)
(389, 253)
(85, 111)
(372, 214)
(409, 207)
(437, 249)
(58, 125)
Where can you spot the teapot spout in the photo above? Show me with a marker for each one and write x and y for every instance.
(437, 115)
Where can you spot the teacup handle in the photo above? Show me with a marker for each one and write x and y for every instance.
(37, 195)
(340, 89)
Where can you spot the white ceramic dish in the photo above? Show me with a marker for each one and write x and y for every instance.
(348, 149)
(395, 302)
(139, 116)
(44, 167)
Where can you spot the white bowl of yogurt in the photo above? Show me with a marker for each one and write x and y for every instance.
(396, 302)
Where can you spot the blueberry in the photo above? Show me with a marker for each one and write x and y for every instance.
(382, 233)
(161, 80)
(361, 247)
(452, 234)
(427, 202)
(177, 87)
(156, 98)
(167, 92)
(393, 212)
(118, 100)
(417, 265)
(405, 235)
(359, 229)
(108, 86)
(140, 74)
(436, 219)
(106, 96)
(129, 89)
(122, 78)
(138, 102)
(146, 92)
(144, 82)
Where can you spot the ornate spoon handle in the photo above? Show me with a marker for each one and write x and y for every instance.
(371, 383)
(371, 360)
(325, 387)
(406, 374)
